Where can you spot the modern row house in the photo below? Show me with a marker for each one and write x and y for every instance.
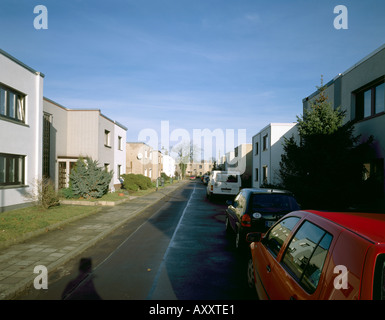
(21, 117)
(360, 91)
(267, 150)
(74, 134)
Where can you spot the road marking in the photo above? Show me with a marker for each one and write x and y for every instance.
(155, 283)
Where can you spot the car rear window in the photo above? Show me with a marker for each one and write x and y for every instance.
(227, 177)
(273, 203)
(379, 278)
(305, 255)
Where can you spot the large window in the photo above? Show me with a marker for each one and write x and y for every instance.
(11, 169)
(306, 254)
(370, 100)
(12, 104)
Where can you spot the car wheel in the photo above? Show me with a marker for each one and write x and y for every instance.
(250, 274)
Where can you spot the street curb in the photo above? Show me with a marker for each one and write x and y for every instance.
(28, 282)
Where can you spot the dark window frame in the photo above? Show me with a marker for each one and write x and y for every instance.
(9, 114)
(19, 171)
(359, 104)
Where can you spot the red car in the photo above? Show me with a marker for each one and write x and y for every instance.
(310, 255)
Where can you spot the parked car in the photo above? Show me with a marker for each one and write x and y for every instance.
(205, 179)
(320, 255)
(226, 183)
(257, 210)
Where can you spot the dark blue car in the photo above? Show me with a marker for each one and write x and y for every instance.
(256, 210)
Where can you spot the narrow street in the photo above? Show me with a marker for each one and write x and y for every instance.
(176, 249)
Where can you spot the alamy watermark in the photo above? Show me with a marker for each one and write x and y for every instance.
(41, 20)
(202, 144)
(41, 281)
(341, 21)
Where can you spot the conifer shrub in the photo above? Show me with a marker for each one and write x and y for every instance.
(88, 180)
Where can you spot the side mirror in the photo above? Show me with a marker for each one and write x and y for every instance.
(254, 237)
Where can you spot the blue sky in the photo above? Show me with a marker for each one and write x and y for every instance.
(215, 64)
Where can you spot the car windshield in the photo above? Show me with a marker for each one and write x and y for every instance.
(273, 203)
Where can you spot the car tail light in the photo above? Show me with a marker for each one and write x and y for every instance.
(212, 187)
(246, 220)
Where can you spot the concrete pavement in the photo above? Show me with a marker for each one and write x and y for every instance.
(56, 247)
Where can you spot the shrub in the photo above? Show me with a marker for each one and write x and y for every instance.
(134, 182)
(67, 193)
(88, 180)
(44, 194)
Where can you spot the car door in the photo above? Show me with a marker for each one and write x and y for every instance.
(265, 257)
(232, 212)
(298, 274)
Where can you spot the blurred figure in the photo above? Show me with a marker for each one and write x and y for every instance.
(82, 287)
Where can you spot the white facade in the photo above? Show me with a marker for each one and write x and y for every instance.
(240, 159)
(84, 133)
(21, 116)
(169, 166)
(267, 151)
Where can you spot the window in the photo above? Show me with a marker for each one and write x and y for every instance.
(380, 99)
(12, 104)
(118, 171)
(120, 146)
(256, 174)
(256, 148)
(278, 234)
(370, 101)
(273, 202)
(264, 174)
(107, 167)
(265, 142)
(306, 254)
(11, 169)
(107, 138)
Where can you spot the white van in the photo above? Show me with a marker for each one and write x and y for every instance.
(224, 183)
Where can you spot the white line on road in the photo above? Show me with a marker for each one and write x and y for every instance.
(155, 283)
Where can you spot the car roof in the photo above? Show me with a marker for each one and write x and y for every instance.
(368, 225)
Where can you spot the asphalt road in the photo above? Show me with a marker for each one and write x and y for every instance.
(176, 249)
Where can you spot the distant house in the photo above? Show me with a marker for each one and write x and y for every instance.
(169, 166)
(75, 134)
(197, 168)
(360, 91)
(21, 115)
(143, 159)
(267, 151)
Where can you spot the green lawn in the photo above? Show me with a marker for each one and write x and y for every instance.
(15, 223)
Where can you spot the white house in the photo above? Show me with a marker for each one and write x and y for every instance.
(83, 133)
(169, 165)
(267, 151)
(21, 117)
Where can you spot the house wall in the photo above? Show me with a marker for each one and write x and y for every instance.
(139, 166)
(119, 153)
(269, 159)
(22, 139)
(344, 88)
(83, 136)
